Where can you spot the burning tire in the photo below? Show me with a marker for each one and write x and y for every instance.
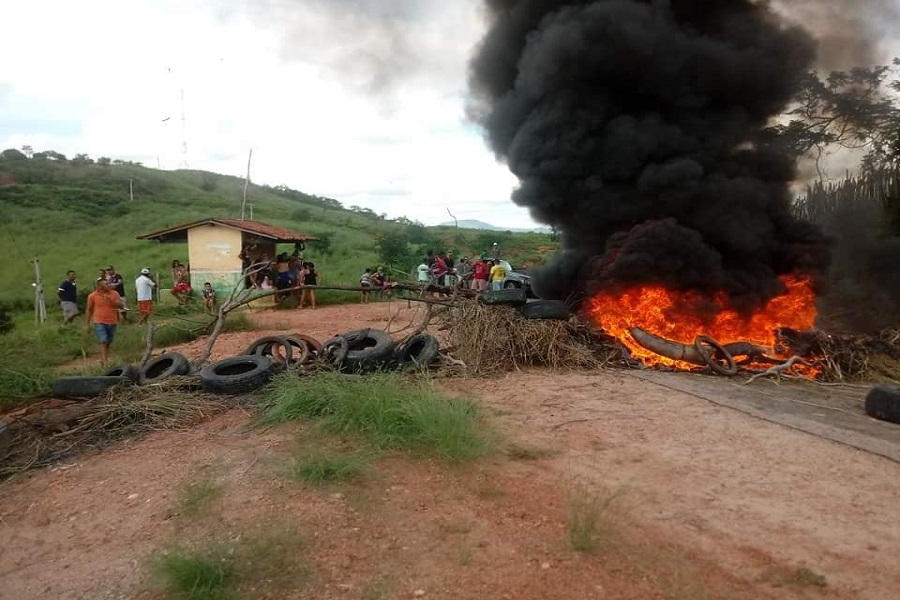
(418, 351)
(546, 309)
(164, 366)
(718, 358)
(510, 297)
(86, 387)
(368, 350)
(129, 371)
(883, 403)
(237, 375)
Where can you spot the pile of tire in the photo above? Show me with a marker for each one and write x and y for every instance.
(357, 351)
(168, 364)
(553, 310)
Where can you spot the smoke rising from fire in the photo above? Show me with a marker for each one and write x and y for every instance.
(849, 33)
(635, 127)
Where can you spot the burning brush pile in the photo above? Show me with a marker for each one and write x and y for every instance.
(640, 131)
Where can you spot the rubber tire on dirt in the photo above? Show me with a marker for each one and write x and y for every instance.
(167, 364)
(301, 351)
(511, 285)
(263, 347)
(129, 371)
(369, 350)
(416, 352)
(86, 387)
(237, 375)
(555, 310)
(883, 403)
(314, 345)
(334, 350)
(516, 297)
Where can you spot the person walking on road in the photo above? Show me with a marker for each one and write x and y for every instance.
(68, 298)
(144, 285)
(103, 305)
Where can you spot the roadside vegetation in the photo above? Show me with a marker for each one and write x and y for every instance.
(387, 410)
(258, 562)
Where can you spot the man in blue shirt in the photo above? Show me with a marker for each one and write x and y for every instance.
(68, 297)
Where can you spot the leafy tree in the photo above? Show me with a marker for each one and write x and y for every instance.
(82, 159)
(323, 242)
(393, 249)
(49, 155)
(209, 182)
(12, 154)
(855, 109)
(28, 150)
(104, 161)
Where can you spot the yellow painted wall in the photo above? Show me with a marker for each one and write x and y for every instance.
(214, 249)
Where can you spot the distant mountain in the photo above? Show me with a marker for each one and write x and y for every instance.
(475, 224)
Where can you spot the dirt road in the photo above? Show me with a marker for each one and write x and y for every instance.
(700, 501)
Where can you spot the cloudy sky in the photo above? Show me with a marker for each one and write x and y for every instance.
(362, 101)
(359, 100)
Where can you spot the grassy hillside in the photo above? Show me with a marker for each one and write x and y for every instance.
(78, 215)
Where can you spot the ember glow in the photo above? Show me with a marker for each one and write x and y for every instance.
(682, 316)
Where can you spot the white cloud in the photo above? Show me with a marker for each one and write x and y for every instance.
(106, 77)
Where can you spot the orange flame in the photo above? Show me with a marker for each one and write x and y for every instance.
(682, 316)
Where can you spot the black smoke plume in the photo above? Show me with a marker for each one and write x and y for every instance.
(636, 128)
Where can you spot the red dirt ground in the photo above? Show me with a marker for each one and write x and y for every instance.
(707, 502)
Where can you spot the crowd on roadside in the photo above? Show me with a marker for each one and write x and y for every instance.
(285, 273)
(478, 273)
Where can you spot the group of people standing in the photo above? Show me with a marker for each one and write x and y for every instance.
(106, 304)
(441, 270)
(285, 273)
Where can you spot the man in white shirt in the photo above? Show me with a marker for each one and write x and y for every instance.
(144, 287)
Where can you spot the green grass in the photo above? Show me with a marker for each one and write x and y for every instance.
(388, 410)
(196, 576)
(321, 467)
(32, 354)
(262, 563)
(589, 519)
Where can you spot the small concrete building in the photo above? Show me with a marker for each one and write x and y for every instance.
(214, 247)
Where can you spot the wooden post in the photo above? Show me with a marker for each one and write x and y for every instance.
(40, 307)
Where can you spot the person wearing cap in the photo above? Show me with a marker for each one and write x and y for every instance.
(144, 285)
(102, 312)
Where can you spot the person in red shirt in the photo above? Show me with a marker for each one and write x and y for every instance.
(480, 274)
(439, 270)
(102, 312)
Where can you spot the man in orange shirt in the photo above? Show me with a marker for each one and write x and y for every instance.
(102, 311)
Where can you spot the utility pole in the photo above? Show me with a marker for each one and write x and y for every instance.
(251, 212)
(131, 188)
(40, 307)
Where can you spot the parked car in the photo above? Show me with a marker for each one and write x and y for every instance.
(516, 279)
